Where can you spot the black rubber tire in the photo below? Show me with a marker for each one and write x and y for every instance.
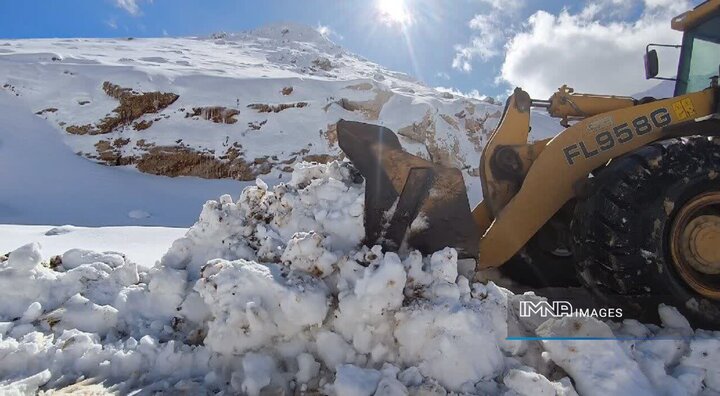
(621, 226)
(536, 267)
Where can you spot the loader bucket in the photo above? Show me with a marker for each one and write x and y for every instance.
(408, 200)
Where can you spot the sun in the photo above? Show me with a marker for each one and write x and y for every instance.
(394, 12)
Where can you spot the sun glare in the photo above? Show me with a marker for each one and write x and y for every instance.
(394, 12)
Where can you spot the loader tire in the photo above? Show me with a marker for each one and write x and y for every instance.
(546, 260)
(622, 228)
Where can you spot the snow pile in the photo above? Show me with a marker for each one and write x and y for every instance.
(274, 294)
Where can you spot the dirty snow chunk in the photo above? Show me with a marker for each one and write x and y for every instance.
(411, 376)
(529, 383)
(25, 386)
(258, 370)
(453, 345)
(24, 281)
(306, 253)
(252, 303)
(220, 232)
(308, 368)
(25, 257)
(443, 265)
(261, 184)
(389, 386)
(76, 257)
(351, 380)
(672, 318)
(366, 303)
(380, 287)
(80, 313)
(416, 276)
(598, 368)
(324, 198)
(705, 355)
(32, 312)
(333, 349)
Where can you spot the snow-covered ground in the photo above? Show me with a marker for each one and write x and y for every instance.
(43, 182)
(142, 245)
(273, 294)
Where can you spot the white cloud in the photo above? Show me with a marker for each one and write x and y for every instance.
(131, 6)
(490, 30)
(589, 54)
(442, 75)
(485, 45)
(474, 94)
(505, 4)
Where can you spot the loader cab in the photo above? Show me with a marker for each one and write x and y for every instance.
(699, 57)
(699, 53)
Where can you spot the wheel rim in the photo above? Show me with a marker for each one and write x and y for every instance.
(695, 244)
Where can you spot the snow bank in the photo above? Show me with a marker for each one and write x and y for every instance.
(274, 293)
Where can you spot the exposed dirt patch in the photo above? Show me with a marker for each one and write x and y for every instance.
(110, 153)
(81, 129)
(370, 108)
(176, 161)
(11, 88)
(451, 121)
(287, 91)
(83, 102)
(133, 105)
(142, 125)
(475, 126)
(267, 108)
(48, 110)
(143, 144)
(183, 161)
(216, 114)
(320, 158)
(232, 153)
(256, 125)
(331, 134)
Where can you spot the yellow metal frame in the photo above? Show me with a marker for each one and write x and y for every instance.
(692, 18)
(512, 212)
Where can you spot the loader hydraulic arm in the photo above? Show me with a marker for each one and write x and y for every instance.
(568, 105)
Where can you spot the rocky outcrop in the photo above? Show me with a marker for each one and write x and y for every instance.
(216, 114)
(268, 108)
(369, 108)
(133, 105)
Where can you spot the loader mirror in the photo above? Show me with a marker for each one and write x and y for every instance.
(651, 64)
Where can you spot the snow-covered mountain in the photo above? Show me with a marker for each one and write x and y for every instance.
(234, 105)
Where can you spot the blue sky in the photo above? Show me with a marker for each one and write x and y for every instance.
(462, 44)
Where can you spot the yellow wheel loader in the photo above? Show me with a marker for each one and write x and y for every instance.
(626, 199)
